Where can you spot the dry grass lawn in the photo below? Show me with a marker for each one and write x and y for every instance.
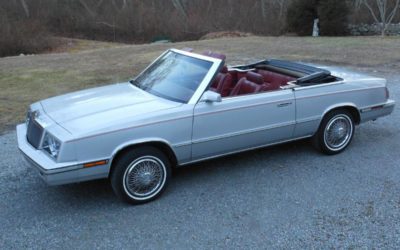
(26, 79)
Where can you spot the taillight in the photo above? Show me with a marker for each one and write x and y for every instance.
(387, 93)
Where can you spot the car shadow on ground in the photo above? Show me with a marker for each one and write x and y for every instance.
(85, 192)
(244, 161)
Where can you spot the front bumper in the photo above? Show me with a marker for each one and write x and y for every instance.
(54, 173)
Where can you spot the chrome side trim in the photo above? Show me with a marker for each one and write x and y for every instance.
(309, 119)
(371, 108)
(182, 144)
(250, 131)
(242, 150)
(376, 106)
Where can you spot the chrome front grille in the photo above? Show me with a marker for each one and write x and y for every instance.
(34, 132)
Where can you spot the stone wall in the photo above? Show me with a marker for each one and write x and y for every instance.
(373, 29)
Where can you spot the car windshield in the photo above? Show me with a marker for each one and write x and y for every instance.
(174, 76)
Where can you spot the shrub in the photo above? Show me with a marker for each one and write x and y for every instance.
(333, 17)
(25, 37)
(332, 14)
(300, 17)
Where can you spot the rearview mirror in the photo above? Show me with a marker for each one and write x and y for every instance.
(211, 96)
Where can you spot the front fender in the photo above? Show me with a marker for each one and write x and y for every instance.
(150, 140)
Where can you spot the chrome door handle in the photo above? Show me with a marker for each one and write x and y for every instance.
(280, 105)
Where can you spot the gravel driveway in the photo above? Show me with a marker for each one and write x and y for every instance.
(287, 196)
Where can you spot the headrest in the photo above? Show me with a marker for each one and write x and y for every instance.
(254, 77)
(224, 70)
(214, 55)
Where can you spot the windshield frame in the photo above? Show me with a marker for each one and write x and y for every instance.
(216, 63)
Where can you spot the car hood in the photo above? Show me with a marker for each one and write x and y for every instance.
(108, 107)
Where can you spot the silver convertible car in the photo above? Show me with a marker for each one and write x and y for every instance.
(187, 107)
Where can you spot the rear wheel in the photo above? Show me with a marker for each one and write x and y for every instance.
(335, 132)
(141, 175)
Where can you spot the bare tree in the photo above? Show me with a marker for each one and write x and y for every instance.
(87, 8)
(117, 8)
(25, 6)
(264, 8)
(179, 6)
(382, 13)
(282, 7)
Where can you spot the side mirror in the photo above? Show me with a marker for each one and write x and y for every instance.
(211, 96)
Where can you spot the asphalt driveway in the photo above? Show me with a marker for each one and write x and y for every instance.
(287, 196)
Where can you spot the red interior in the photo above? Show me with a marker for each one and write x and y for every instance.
(275, 80)
(247, 85)
(233, 82)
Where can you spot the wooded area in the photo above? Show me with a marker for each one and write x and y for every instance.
(25, 25)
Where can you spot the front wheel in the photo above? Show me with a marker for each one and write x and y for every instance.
(141, 175)
(335, 132)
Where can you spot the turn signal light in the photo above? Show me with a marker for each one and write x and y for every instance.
(95, 163)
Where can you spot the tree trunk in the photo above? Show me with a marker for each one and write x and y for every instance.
(383, 29)
(25, 7)
(383, 32)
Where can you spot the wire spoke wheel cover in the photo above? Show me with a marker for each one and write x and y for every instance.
(338, 132)
(144, 178)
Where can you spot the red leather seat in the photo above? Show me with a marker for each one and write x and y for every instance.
(223, 83)
(274, 80)
(268, 87)
(252, 83)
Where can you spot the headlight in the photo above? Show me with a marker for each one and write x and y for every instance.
(51, 145)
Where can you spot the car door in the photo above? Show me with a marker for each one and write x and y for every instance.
(242, 122)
